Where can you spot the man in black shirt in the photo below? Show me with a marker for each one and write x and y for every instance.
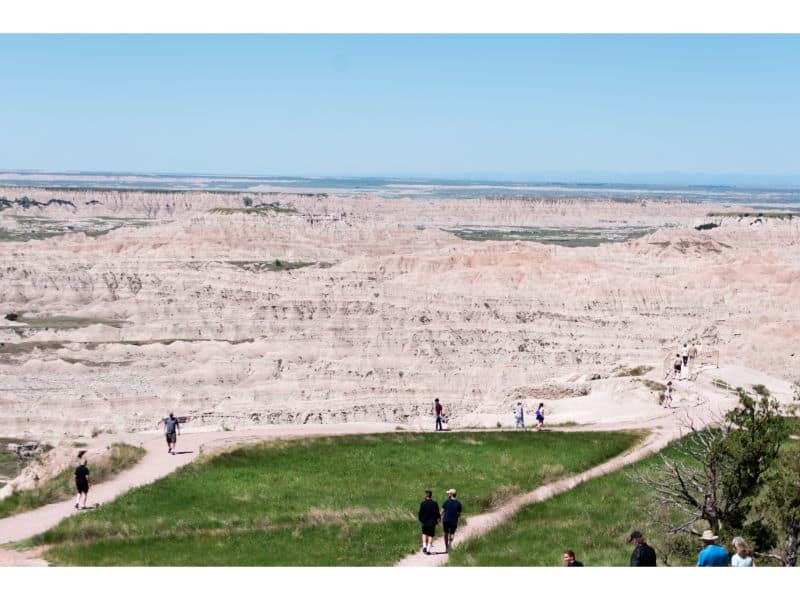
(642, 555)
(451, 510)
(82, 481)
(428, 518)
(569, 559)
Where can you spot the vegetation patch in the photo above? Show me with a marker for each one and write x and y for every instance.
(275, 265)
(706, 226)
(723, 385)
(9, 350)
(572, 237)
(258, 209)
(90, 363)
(763, 215)
(62, 486)
(10, 464)
(634, 371)
(319, 501)
(39, 228)
(64, 322)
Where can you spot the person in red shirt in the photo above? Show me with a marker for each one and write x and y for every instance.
(437, 410)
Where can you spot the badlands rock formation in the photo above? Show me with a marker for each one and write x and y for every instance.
(153, 301)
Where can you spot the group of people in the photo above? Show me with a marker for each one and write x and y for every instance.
(712, 554)
(171, 427)
(683, 360)
(680, 370)
(519, 416)
(430, 514)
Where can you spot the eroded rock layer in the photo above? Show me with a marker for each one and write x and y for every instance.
(234, 308)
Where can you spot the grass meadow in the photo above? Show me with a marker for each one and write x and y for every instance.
(594, 519)
(321, 501)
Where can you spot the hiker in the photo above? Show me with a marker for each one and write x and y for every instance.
(451, 510)
(428, 517)
(172, 429)
(540, 416)
(677, 366)
(519, 416)
(712, 554)
(82, 480)
(569, 559)
(437, 410)
(685, 354)
(668, 395)
(692, 353)
(741, 556)
(642, 555)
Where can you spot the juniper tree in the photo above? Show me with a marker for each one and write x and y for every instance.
(717, 471)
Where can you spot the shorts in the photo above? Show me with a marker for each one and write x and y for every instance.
(685, 360)
(449, 527)
(540, 419)
(83, 487)
(171, 437)
(519, 421)
(429, 530)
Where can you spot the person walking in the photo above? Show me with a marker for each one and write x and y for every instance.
(172, 428)
(685, 354)
(540, 416)
(712, 554)
(741, 554)
(642, 555)
(451, 510)
(692, 354)
(519, 416)
(428, 517)
(569, 559)
(437, 410)
(82, 480)
(668, 395)
(677, 366)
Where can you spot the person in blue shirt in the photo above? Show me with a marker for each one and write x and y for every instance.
(712, 555)
(451, 510)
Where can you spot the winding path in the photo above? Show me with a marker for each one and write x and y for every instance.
(157, 463)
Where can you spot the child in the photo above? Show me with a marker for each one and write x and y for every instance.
(540, 416)
(668, 395)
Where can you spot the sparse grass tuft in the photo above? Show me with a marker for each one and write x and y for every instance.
(275, 265)
(724, 385)
(634, 371)
(261, 209)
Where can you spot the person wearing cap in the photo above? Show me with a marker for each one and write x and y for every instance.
(712, 555)
(428, 517)
(642, 555)
(451, 510)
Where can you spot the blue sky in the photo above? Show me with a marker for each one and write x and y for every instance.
(712, 108)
